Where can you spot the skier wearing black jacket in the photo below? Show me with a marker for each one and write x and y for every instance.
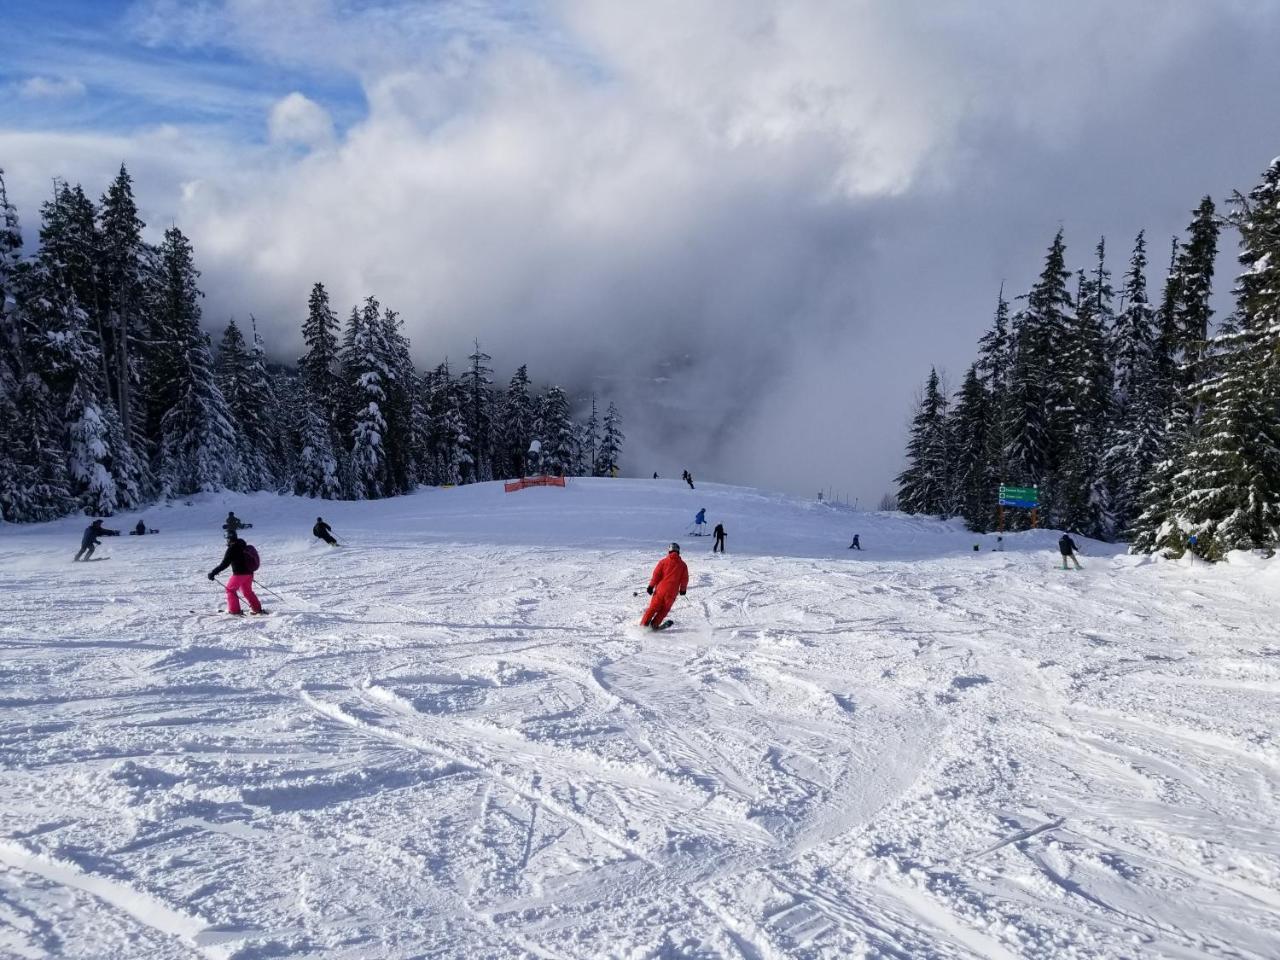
(242, 559)
(90, 539)
(324, 532)
(1067, 547)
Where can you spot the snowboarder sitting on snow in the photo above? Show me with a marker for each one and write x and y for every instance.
(243, 560)
(324, 532)
(857, 543)
(999, 547)
(699, 521)
(90, 538)
(140, 530)
(718, 543)
(233, 525)
(1067, 547)
(670, 577)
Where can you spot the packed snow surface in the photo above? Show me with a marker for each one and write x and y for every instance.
(450, 738)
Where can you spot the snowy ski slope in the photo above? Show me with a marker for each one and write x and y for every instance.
(450, 740)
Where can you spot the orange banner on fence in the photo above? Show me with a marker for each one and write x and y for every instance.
(511, 486)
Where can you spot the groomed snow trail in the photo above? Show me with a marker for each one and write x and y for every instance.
(451, 740)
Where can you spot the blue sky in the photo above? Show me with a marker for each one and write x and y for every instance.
(116, 79)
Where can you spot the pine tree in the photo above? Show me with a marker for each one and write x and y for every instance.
(995, 362)
(478, 383)
(610, 450)
(197, 443)
(589, 443)
(449, 443)
(122, 279)
(924, 486)
(1136, 438)
(1033, 430)
(559, 440)
(320, 366)
(1228, 494)
(368, 375)
(973, 487)
(242, 378)
(1185, 317)
(518, 420)
(1082, 503)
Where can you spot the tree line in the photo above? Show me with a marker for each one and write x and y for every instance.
(112, 395)
(1138, 418)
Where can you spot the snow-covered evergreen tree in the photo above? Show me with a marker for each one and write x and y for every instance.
(559, 438)
(197, 443)
(1033, 431)
(450, 444)
(610, 450)
(518, 420)
(478, 383)
(1228, 494)
(1082, 503)
(123, 268)
(589, 443)
(925, 485)
(242, 378)
(368, 375)
(1136, 438)
(973, 486)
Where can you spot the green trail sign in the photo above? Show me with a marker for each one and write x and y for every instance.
(1025, 497)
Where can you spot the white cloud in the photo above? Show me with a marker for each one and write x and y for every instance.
(51, 88)
(297, 120)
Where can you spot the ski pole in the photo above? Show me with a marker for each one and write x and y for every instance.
(270, 591)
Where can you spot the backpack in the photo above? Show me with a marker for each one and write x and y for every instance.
(251, 552)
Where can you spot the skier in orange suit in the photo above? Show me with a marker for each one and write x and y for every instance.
(670, 577)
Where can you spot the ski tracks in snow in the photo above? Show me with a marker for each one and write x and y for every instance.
(477, 753)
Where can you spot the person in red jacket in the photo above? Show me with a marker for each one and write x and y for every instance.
(670, 577)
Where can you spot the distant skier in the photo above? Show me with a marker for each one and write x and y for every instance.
(857, 542)
(90, 539)
(700, 521)
(688, 478)
(243, 561)
(324, 532)
(718, 543)
(999, 547)
(234, 525)
(1067, 547)
(670, 578)
(655, 474)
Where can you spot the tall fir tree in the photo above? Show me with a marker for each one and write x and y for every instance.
(1033, 430)
(518, 420)
(1228, 494)
(197, 444)
(122, 276)
(367, 377)
(973, 486)
(242, 378)
(925, 485)
(589, 443)
(611, 440)
(1136, 435)
(559, 439)
(478, 383)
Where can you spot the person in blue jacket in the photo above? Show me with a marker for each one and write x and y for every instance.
(700, 521)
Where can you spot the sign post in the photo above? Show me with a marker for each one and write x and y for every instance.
(1025, 498)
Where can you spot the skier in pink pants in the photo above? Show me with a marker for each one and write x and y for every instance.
(243, 560)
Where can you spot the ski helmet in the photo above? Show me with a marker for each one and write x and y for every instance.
(675, 548)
